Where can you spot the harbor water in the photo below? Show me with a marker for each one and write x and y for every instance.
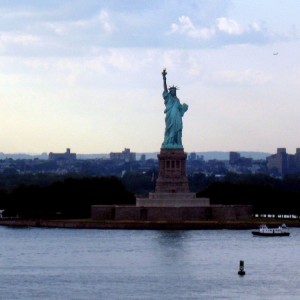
(39, 263)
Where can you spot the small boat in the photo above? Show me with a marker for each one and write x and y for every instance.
(264, 230)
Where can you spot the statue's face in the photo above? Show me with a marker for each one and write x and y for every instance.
(173, 92)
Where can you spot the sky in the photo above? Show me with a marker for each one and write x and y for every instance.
(86, 75)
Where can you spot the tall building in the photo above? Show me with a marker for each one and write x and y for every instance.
(297, 159)
(67, 156)
(234, 157)
(279, 163)
(125, 155)
(192, 156)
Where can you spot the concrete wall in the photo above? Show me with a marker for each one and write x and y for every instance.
(172, 202)
(103, 212)
(214, 212)
(127, 213)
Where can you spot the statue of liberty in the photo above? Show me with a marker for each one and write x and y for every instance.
(174, 112)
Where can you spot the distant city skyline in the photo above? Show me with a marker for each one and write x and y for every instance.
(207, 155)
(87, 75)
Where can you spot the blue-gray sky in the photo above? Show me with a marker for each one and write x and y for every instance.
(87, 74)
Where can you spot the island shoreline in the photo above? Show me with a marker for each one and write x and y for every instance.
(147, 225)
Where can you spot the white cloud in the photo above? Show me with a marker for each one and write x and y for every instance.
(221, 26)
(101, 20)
(58, 28)
(229, 26)
(105, 22)
(186, 26)
(17, 38)
(256, 26)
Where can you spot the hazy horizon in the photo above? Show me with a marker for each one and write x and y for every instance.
(207, 155)
(87, 74)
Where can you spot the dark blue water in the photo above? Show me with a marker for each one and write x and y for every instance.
(127, 264)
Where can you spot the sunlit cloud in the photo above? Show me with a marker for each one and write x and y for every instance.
(186, 27)
(229, 26)
(220, 28)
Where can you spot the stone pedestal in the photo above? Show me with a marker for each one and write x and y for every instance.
(172, 172)
(172, 189)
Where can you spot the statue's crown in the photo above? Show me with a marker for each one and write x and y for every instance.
(173, 87)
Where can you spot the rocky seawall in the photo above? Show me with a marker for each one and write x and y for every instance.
(146, 225)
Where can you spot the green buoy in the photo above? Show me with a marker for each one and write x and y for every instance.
(241, 269)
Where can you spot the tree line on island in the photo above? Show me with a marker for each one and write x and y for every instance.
(72, 195)
(66, 198)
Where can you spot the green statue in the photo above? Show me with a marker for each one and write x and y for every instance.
(174, 112)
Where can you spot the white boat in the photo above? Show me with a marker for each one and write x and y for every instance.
(264, 230)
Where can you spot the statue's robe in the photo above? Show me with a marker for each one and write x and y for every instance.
(174, 112)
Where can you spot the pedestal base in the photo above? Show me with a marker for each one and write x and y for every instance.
(172, 200)
(172, 172)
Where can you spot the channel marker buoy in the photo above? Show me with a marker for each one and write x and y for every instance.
(241, 271)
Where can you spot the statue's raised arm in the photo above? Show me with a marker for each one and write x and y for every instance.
(164, 74)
